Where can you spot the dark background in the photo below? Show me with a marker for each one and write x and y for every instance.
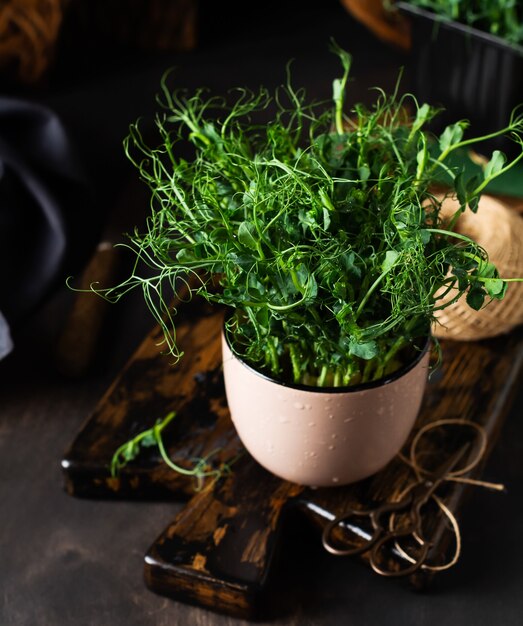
(65, 561)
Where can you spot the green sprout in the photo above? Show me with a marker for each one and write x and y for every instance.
(131, 449)
(318, 228)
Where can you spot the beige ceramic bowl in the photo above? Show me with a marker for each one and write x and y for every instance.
(322, 438)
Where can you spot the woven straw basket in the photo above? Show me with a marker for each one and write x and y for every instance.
(499, 230)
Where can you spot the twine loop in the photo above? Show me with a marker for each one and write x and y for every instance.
(456, 475)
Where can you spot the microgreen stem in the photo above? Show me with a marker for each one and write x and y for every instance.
(369, 292)
(153, 436)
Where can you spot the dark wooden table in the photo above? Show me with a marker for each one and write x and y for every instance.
(71, 562)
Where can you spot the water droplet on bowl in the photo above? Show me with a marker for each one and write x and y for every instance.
(299, 406)
(335, 479)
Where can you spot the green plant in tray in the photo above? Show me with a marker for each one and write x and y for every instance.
(502, 18)
(318, 228)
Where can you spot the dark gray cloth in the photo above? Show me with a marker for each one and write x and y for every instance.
(6, 343)
(48, 223)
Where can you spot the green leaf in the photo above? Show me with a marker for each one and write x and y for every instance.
(307, 219)
(495, 165)
(347, 260)
(201, 236)
(302, 274)
(472, 183)
(286, 286)
(422, 115)
(365, 350)
(452, 135)
(241, 260)
(312, 289)
(364, 173)
(325, 200)
(425, 236)
(210, 132)
(148, 439)
(461, 188)
(494, 287)
(344, 56)
(220, 235)
(247, 235)
(340, 289)
(130, 451)
(255, 286)
(421, 160)
(391, 256)
(487, 270)
(475, 298)
(462, 277)
(326, 219)
(185, 256)
(474, 204)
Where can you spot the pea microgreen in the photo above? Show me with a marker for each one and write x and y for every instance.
(319, 228)
(130, 450)
(502, 18)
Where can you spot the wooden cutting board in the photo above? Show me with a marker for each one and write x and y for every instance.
(219, 550)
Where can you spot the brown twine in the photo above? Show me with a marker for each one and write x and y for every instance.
(453, 476)
(499, 230)
(28, 35)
